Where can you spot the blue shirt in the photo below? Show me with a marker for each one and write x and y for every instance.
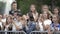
(31, 27)
(54, 26)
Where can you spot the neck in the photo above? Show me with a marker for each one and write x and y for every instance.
(33, 11)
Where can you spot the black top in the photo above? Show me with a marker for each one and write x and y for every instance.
(12, 12)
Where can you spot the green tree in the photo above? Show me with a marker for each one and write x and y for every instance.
(24, 4)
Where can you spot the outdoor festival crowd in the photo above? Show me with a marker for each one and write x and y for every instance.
(32, 21)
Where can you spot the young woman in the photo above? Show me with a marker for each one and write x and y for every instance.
(45, 8)
(56, 12)
(55, 26)
(30, 26)
(39, 24)
(46, 22)
(9, 25)
(33, 11)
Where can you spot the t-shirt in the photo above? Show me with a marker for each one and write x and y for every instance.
(4, 20)
(12, 12)
(19, 24)
(55, 26)
(47, 22)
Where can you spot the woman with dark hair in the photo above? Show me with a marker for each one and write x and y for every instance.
(56, 12)
(34, 12)
(30, 26)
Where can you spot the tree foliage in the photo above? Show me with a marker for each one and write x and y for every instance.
(23, 5)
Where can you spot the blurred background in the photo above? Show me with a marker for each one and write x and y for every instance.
(23, 5)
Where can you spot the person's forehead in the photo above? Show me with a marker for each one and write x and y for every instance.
(32, 5)
(15, 4)
(45, 6)
(55, 9)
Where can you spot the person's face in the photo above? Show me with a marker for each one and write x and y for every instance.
(14, 6)
(32, 8)
(18, 18)
(45, 8)
(9, 20)
(54, 18)
(45, 15)
(15, 14)
(56, 11)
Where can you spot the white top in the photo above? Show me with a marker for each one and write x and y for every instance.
(47, 22)
(4, 20)
(19, 24)
(41, 26)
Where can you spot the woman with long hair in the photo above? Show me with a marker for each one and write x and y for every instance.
(8, 25)
(33, 11)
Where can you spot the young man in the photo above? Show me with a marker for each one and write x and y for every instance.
(13, 8)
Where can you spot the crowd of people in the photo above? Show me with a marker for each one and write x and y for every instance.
(32, 21)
